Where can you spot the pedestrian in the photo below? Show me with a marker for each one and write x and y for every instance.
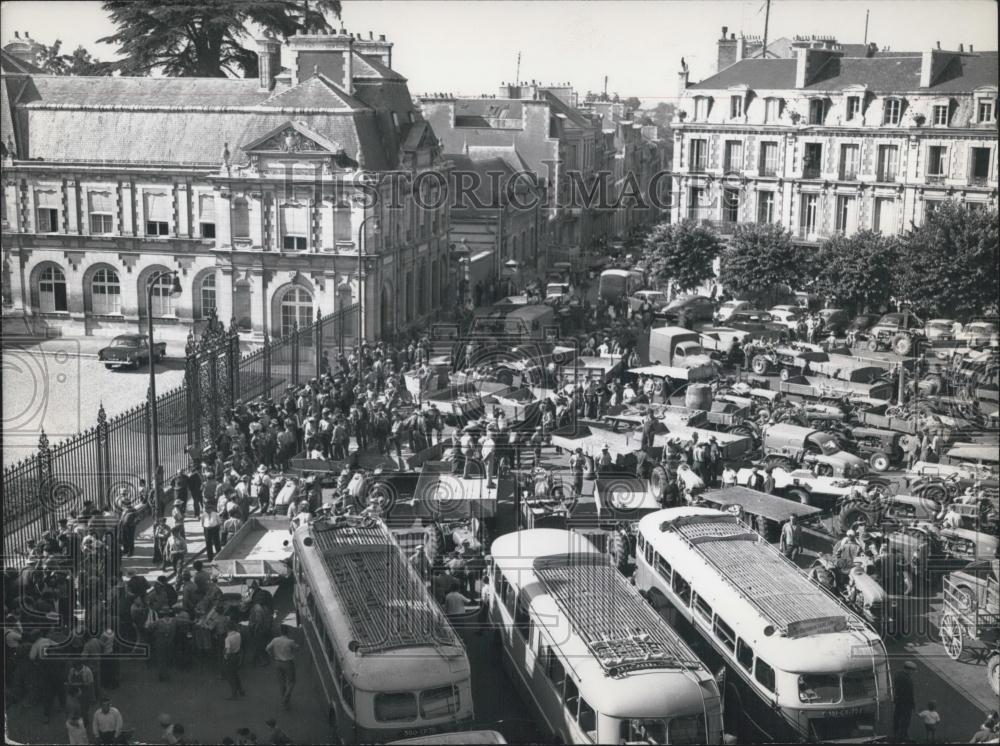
(176, 549)
(211, 524)
(903, 705)
(76, 731)
(768, 485)
(232, 654)
(729, 476)
(107, 723)
(931, 718)
(791, 539)
(283, 650)
(577, 462)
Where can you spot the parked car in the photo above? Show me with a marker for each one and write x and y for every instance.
(979, 334)
(787, 315)
(728, 308)
(694, 308)
(861, 323)
(939, 329)
(758, 323)
(656, 298)
(834, 320)
(557, 291)
(130, 350)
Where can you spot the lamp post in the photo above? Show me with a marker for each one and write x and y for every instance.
(175, 291)
(362, 246)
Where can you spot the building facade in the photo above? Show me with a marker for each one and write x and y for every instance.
(826, 143)
(258, 193)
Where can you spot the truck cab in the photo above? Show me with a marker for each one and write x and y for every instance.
(678, 347)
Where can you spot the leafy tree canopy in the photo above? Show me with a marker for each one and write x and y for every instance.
(949, 265)
(857, 272)
(54, 62)
(761, 262)
(682, 254)
(205, 38)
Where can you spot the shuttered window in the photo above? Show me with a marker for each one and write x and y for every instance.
(206, 208)
(295, 228)
(102, 210)
(158, 207)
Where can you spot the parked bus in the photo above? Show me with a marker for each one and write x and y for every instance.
(619, 283)
(798, 664)
(594, 660)
(390, 664)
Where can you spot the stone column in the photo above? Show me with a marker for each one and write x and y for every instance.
(223, 221)
(224, 282)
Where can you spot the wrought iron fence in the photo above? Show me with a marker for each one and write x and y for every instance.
(113, 456)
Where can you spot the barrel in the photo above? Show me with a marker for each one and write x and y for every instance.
(698, 396)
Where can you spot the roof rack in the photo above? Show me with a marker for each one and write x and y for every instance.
(759, 573)
(386, 603)
(619, 628)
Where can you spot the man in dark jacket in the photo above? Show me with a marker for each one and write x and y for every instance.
(904, 703)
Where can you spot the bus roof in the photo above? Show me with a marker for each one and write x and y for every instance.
(769, 506)
(459, 737)
(386, 604)
(621, 273)
(629, 662)
(810, 630)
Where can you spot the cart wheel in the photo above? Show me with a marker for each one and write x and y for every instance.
(879, 461)
(872, 344)
(759, 365)
(993, 672)
(951, 636)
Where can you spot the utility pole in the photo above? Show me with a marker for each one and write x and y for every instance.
(866, 26)
(517, 72)
(767, 21)
(605, 87)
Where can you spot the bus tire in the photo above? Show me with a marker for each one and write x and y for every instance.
(798, 494)
(759, 365)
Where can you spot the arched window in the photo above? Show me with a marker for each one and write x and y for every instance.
(106, 293)
(241, 218)
(207, 296)
(296, 309)
(163, 302)
(52, 290)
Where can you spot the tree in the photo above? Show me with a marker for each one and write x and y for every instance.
(54, 62)
(761, 263)
(857, 272)
(205, 38)
(682, 254)
(663, 114)
(632, 103)
(948, 266)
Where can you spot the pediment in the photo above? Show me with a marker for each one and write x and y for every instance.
(294, 137)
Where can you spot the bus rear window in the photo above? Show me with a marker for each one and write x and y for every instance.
(682, 589)
(436, 703)
(819, 688)
(643, 730)
(690, 729)
(391, 707)
(859, 685)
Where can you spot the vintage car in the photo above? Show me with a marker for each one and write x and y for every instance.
(804, 486)
(656, 298)
(131, 350)
(692, 307)
(896, 332)
(730, 307)
(834, 321)
(978, 334)
(882, 448)
(787, 446)
(759, 323)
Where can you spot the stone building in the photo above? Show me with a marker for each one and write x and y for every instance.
(835, 139)
(258, 192)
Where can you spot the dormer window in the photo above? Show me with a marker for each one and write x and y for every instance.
(735, 106)
(702, 104)
(853, 107)
(817, 111)
(939, 115)
(985, 111)
(892, 111)
(772, 110)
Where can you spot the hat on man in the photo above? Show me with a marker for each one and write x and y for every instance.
(261, 469)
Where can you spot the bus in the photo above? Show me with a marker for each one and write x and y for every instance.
(796, 663)
(390, 664)
(591, 657)
(615, 284)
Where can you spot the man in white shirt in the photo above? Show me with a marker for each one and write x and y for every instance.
(231, 656)
(283, 650)
(107, 723)
(211, 524)
(488, 450)
(454, 604)
(729, 476)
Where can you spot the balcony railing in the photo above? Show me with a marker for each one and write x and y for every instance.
(979, 180)
(699, 165)
(848, 174)
(886, 174)
(769, 171)
(935, 178)
(811, 172)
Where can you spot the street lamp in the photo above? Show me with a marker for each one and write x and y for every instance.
(175, 291)
(362, 247)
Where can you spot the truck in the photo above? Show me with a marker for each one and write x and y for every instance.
(131, 350)
(261, 550)
(817, 387)
(790, 445)
(678, 348)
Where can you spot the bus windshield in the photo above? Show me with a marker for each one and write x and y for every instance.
(816, 688)
(682, 730)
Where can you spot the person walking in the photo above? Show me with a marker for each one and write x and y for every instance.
(211, 524)
(931, 718)
(176, 549)
(107, 723)
(904, 704)
(791, 539)
(232, 654)
(283, 650)
(577, 462)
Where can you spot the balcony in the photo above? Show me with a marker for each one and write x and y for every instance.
(935, 178)
(771, 171)
(812, 172)
(888, 174)
(848, 174)
(699, 165)
(979, 181)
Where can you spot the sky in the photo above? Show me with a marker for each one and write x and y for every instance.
(472, 47)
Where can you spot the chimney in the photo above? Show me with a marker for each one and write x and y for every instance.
(938, 45)
(268, 61)
(724, 30)
(331, 55)
(682, 82)
(961, 49)
(380, 49)
(932, 63)
(970, 48)
(808, 61)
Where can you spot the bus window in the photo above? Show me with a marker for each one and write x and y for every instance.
(436, 703)
(328, 644)
(764, 675)
(744, 654)
(643, 730)
(682, 589)
(703, 609)
(649, 554)
(347, 692)
(393, 707)
(587, 719)
(859, 685)
(662, 567)
(544, 659)
(498, 583)
(556, 671)
(641, 542)
(571, 695)
(311, 603)
(507, 592)
(521, 617)
(725, 634)
(689, 730)
(819, 687)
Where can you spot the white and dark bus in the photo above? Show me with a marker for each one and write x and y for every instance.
(390, 664)
(593, 659)
(799, 665)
